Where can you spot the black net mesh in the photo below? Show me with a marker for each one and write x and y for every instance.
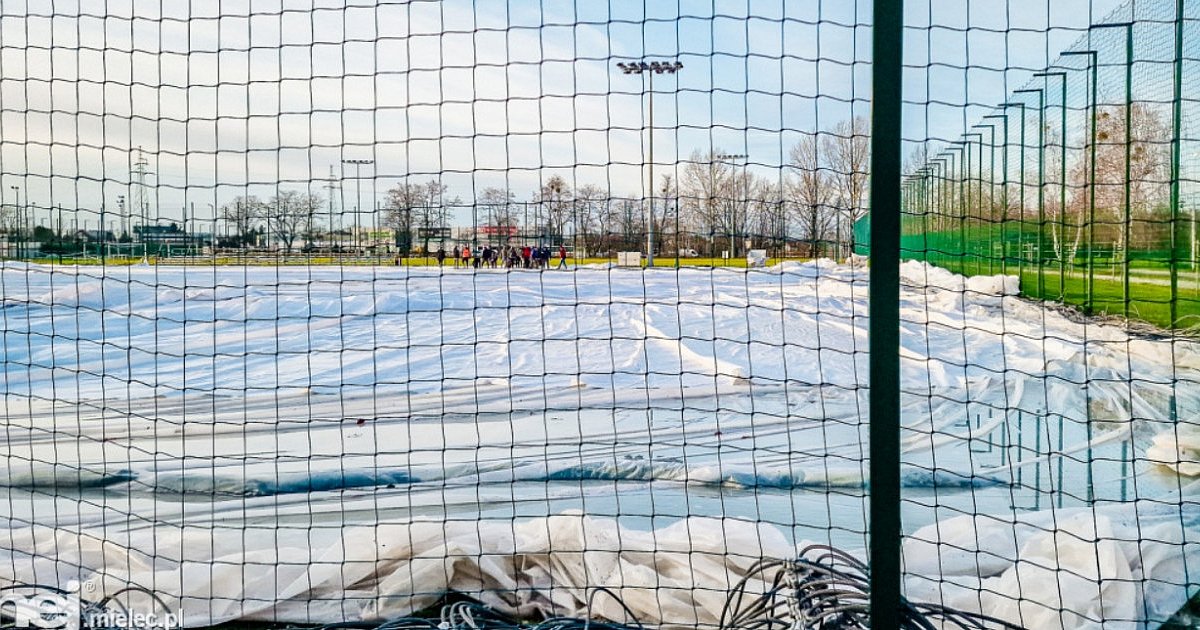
(493, 314)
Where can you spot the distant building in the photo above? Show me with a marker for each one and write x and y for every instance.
(95, 236)
(170, 235)
(20, 249)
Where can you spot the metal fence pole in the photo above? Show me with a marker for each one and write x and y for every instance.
(1093, 65)
(1128, 199)
(1021, 220)
(1062, 208)
(1178, 237)
(991, 191)
(1041, 241)
(886, 166)
(1003, 195)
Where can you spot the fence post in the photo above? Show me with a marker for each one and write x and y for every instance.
(886, 75)
(1178, 235)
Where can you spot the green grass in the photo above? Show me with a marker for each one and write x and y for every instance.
(1148, 300)
(411, 261)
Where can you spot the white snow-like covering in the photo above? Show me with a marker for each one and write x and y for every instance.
(1177, 448)
(324, 443)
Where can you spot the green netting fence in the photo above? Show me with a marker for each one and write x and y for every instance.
(1083, 180)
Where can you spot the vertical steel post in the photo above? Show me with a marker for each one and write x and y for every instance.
(1003, 193)
(941, 204)
(1041, 242)
(956, 198)
(1093, 100)
(1128, 207)
(650, 209)
(978, 198)
(1128, 164)
(1177, 234)
(991, 187)
(1021, 219)
(1062, 207)
(886, 105)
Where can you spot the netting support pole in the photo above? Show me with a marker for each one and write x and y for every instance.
(1127, 201)
(955, 204)
(886, 75)
(1003, 196)
(1041, 242)
(991, 194)
(1062, 207)
(1089, 286)
(1021, 197)
(1178, 236)
(1128, 236)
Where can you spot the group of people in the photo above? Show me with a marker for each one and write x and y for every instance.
(510, 256)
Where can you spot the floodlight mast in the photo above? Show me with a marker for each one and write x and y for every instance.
(650, 68)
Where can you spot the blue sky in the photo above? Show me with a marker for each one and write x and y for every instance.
(484, 93)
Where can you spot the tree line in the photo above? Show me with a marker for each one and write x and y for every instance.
(807, 207)
(811, 203)
(1068, 191)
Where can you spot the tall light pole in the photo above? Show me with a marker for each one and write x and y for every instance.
(332, 186)
(213, 237)
(651, 68)
(730, 157)
(121, 212)
(17, 189)
(358, 164)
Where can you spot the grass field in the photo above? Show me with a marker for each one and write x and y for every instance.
(411, 261)
(1149, 297)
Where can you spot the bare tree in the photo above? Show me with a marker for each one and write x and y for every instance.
(769, 213)
(628, 219)
(420, 206)
(589, 209)
(717, 196)
(8, 221)
(667, 218)
(432, 210)
(848, 154)
(917, 159)
(605, 215)
(1149, 159)
(243, 212)
(555, 197)
(501, 215)
(400, 212)
(289, 215)
(812, 191)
